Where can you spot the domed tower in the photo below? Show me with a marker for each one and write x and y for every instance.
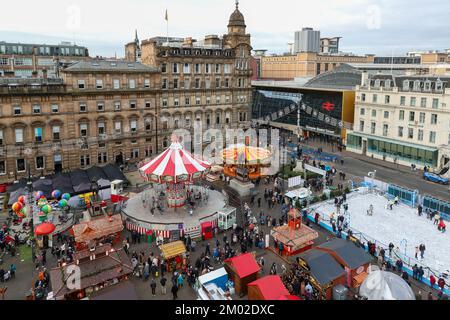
(237, 22)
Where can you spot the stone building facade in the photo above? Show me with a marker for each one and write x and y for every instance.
(101, 111)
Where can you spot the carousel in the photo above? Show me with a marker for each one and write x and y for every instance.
(176, 202)
(175, 168)
(241, 156)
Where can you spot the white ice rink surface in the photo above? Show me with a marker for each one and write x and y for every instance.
(396, 226)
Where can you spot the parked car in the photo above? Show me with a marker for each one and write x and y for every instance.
(435, 178)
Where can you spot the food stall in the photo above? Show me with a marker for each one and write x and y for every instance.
(207, 230)
(227, 218)
(104, 229)
(324, 271)
(353, 259)
(213, 286)
(174, 251)
(242, 269)
(268, 288)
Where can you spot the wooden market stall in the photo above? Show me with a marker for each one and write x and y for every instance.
(324, 271)
(174, 252)
(268, 288)
(98, 230)
(99, 268)
(353, 259)
(295, 237)
(242, 269)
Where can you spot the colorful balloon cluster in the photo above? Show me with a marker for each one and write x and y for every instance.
(19, 207)
(43, 204)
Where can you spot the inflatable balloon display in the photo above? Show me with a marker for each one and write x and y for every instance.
(56, 194)
(42, 216)
(17, 206)
(22, 199)
(46, 209)
(63, 203)
(66, 196)
(38, 195)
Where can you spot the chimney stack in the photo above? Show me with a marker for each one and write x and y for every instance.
(188, 42)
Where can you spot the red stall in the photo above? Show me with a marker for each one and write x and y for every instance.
(207, 230)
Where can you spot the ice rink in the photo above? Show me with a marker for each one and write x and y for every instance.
(402, 226)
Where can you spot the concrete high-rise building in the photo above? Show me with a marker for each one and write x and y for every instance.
(307, 40)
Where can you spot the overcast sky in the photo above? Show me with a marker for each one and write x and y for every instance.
(104, 26)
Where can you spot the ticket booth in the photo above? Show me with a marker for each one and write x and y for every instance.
(227, 217)
(207, 230)
(116, 190)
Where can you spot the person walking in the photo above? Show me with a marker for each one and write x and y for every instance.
(180, 281)
(422, 250)
(153, 286)
(163, 283)
(174, 292)
(432, 281)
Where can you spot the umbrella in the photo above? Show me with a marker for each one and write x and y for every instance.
(44, 229)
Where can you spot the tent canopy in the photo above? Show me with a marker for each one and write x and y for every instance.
(271, 287)
(80, 181)
(353, 256)
(113, 172)
(96, 173)
(63, 182)
(323, 266)
(244, 265)
(19, 185)
(45, 185)
(173, 249)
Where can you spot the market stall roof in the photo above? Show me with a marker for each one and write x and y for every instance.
(22, 183)
(80, 181)
(119, 292)
(45, 185)
(174, 165)
(173, 249)
(244, 265)
(113, 172)
(63, 182)
(102, 268)
(14, 196)
(96, 173)
(323, 266)
(353, 256)
(295, 237)
(98, 228)
(271, 287)
(289, 297)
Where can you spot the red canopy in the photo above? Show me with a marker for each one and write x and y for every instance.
(44, 229)
(271, 287)
(289, 297)
(244, 264)
(174, 165)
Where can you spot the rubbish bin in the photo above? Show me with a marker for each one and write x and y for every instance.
(340, 292)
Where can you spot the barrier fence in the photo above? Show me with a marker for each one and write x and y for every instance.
(408, 261)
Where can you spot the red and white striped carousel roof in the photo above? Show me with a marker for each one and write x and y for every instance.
(175, 162)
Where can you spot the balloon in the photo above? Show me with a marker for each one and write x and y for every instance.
(46, 209)
(22, 199)
(66, 196)
(38, 195)
(17, 206)
(56, 194)
(24, 210)
(63, 203)
(42, 203)
(20, 214)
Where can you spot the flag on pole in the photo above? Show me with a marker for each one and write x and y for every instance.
(166, 16)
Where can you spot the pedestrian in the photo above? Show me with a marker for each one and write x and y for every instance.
(432, 281)
(308, 291)
(174, 292)
(441, 283)
(153, 286)
(180, 281)
(419, 210)
(422, 250)
(417, 253)
(207, 249)
(163, 282)
(420, 273)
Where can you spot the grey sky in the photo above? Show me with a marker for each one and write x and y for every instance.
(367, 26)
